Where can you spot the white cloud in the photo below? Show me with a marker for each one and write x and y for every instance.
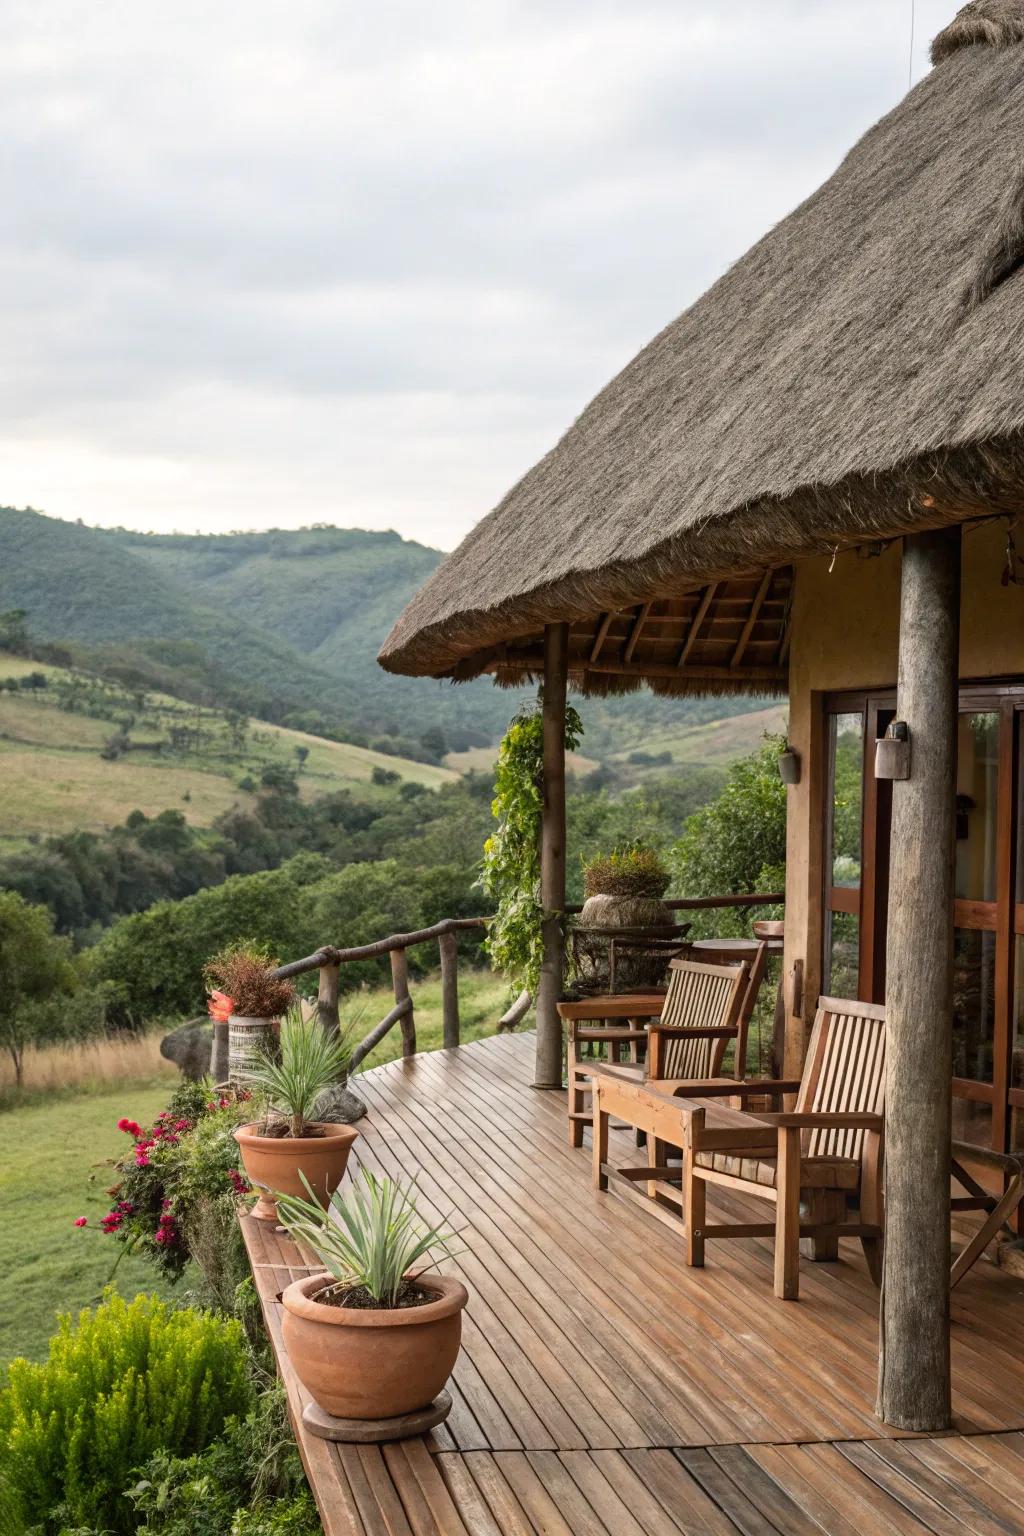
(308, 262)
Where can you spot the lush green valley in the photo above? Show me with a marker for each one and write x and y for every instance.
(284, 625)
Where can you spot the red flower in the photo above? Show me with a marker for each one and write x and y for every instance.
(81, 1221)
(220, 1007)
(132, 1127)
(141, 1160)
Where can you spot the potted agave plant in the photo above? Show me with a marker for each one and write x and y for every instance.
(247, 996)
(289, 1150)
(376, 1336)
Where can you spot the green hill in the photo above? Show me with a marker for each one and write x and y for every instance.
(59, 774)
(285, 625)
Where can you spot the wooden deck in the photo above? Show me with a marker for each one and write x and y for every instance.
(605, 1390)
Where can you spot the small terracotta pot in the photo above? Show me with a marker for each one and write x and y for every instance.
(273, 1163)
(363, 1364)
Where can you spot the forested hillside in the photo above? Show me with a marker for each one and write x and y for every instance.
(284, 625)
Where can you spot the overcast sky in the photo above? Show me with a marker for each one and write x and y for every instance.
(290, 261)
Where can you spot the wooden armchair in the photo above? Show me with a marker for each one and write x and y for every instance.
(693, 1023)
(828, 1157)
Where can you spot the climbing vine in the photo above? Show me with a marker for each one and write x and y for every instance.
(511, 863)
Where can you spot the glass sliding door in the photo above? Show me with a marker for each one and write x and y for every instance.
(988, 967)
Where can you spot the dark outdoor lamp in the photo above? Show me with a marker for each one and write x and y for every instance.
(789, 765)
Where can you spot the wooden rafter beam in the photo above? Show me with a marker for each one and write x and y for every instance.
(707, 597)
(755, 609)
(787, 631)
(602, 635)
(634, 635)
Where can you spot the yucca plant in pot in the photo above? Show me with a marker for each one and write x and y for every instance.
(376, 1336)
(289, 1150)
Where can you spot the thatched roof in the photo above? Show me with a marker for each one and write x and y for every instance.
(859, 373)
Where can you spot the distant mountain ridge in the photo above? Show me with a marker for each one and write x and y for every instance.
(285, 624)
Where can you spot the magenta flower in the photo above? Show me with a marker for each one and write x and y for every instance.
(81, 1221)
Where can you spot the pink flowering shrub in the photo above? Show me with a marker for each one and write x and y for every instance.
(175, 1168)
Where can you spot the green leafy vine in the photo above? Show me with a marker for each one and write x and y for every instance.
(511, 863)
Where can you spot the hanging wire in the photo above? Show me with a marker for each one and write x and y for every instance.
(910, 64)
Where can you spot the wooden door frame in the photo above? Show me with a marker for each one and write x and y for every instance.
(868, 902)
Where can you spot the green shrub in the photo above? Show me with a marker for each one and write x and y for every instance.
(248, 1481)
(125, 1381)
(632, 870)
(736, 843)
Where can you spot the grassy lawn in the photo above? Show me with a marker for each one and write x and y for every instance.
(48, 1176)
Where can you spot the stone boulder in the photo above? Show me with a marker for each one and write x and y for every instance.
(189, 1047)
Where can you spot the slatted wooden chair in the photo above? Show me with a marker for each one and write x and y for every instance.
(828, 1158)
(692, 1024)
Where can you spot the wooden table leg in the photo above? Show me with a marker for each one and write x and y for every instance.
(695, 1195)
(787, 1216)
(599, 1132)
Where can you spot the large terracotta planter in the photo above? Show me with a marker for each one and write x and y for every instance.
(274, 1163)
(363, 1364)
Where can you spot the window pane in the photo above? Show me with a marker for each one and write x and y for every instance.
(972, 1122)
(974, 981)
(977, 773)
(842, 954)
(1017, 1053)
(847, 754)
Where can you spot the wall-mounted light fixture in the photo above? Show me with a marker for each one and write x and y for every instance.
(789, 765)
(892, 752)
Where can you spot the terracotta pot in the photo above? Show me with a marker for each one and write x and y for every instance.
(364, 1364)
(273, 1163)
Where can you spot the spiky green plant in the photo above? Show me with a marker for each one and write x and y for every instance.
(376, 1237)
(310, 1061)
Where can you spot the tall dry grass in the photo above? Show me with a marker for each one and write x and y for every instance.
(87, 1063)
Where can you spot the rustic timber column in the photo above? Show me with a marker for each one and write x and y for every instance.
(913, 1374)
(338, 1102)
(552, 858)
(448, 945)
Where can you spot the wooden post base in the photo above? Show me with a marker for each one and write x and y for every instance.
(371, 1431)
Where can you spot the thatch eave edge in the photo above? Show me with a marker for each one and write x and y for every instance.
(933, 490)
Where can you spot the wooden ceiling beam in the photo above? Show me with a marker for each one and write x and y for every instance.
(642, 614)
(602, 635)
(698, 619)
(755, 609)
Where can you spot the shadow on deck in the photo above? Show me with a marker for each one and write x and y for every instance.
(605, 1389)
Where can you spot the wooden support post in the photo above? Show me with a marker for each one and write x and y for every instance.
(337, 1103)
(914, 1369)
(327, 998)
(552, 858)
(448, 944)
(400, 978)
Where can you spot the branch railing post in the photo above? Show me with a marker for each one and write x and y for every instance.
(448, 945)
(400, 981)
(338, 1103)
(327, 998)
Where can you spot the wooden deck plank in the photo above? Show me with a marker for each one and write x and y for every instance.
(605, 1390)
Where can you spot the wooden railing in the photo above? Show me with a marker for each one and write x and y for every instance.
(330, 958)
